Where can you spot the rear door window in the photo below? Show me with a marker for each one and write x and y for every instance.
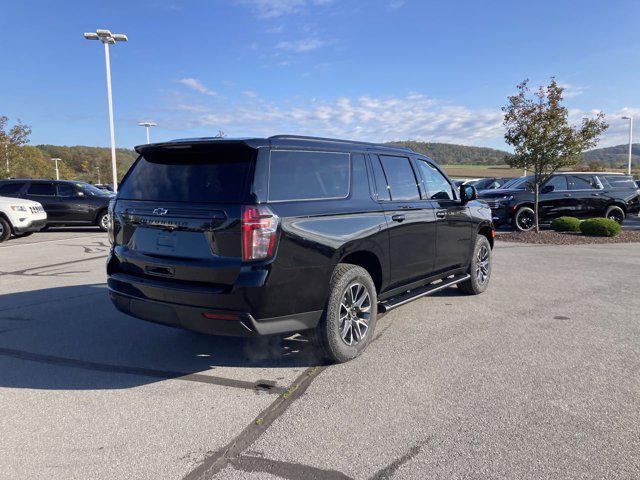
(42, 189)
(581, 182)
(381, 186)
(400, 177)
(197, 173)
(303, 175)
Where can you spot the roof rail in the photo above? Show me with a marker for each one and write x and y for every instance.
(335, 140)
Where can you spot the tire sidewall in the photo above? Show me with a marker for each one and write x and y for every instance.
(337, 349)
(6, 230)
(100, 217)
(475, 286)
(614, 208)
(519, 212)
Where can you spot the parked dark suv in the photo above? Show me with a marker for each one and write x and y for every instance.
(581, 195)
(269, 236)
(66, 202)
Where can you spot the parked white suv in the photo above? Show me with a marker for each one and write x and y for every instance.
(20, 217)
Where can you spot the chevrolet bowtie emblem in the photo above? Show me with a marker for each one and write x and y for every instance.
(160, 211)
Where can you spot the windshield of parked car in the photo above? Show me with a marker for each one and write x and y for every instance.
(520, 183)
(92, 190)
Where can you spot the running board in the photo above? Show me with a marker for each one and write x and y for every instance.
(416, 293)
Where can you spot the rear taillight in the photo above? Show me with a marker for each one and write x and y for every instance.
(259, 231)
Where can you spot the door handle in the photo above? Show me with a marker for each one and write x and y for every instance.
(398, 218)
(441, 213)
(567, 194)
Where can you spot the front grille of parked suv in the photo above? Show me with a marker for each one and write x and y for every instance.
(493, 205)
(37, 209)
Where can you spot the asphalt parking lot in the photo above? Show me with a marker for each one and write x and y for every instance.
(537, 378)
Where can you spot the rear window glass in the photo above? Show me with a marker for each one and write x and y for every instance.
(9, 188)
(200, 173)
(298, 175)
(617, 181)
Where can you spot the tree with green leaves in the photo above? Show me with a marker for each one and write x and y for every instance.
(538, 128)
(11, 140)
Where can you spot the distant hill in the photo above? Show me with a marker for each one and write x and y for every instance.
(617, 156)
(453, 154)
(84, 161)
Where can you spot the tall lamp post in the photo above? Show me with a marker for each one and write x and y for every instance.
(630, 140)
(147, 125)
(107, 38)
(56, 160)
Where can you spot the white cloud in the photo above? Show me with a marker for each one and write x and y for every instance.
(303, 46)
(396, 4)
(277, 8)
(572, 91)
(196, 85)
(413, 116)
(250, 94)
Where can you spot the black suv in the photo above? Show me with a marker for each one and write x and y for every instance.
(581, 195)
(66, 202)
(284, 234)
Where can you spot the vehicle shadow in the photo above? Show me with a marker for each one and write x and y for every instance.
(70, 338)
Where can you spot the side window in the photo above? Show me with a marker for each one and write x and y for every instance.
(42, 189)
(382, 189)
(559, 182)
(10, 188)
(300, 175)
(400, 177)
(581, 182)
(438, 188)
(66, 190)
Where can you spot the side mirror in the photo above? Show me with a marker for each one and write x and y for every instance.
(80, 194)
(468, 193)
(547, 189)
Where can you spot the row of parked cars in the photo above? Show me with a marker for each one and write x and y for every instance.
(30, 205)
(574, 194)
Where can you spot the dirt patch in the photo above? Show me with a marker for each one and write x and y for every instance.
(549, 237)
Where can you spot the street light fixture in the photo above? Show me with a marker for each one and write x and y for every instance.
(107, 38)
(147, 125)
(630, 118)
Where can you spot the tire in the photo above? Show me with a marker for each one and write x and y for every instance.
(479, 269)
(22, 235)
(524, 220)
(103, 221)
(339, 334)
(615, 213)
(5, 230)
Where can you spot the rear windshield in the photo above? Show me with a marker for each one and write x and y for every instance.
(199, 173)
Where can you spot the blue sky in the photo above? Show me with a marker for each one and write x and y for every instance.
(377, 70)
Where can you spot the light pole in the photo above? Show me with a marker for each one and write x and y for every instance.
(57, 171)
(147, 125)
(630, 118)
(107, 38)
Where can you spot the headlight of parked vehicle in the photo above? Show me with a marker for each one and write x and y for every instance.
(506, 198)
(18, 208)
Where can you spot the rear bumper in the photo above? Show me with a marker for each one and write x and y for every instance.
(128, 295)
(33, 226)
